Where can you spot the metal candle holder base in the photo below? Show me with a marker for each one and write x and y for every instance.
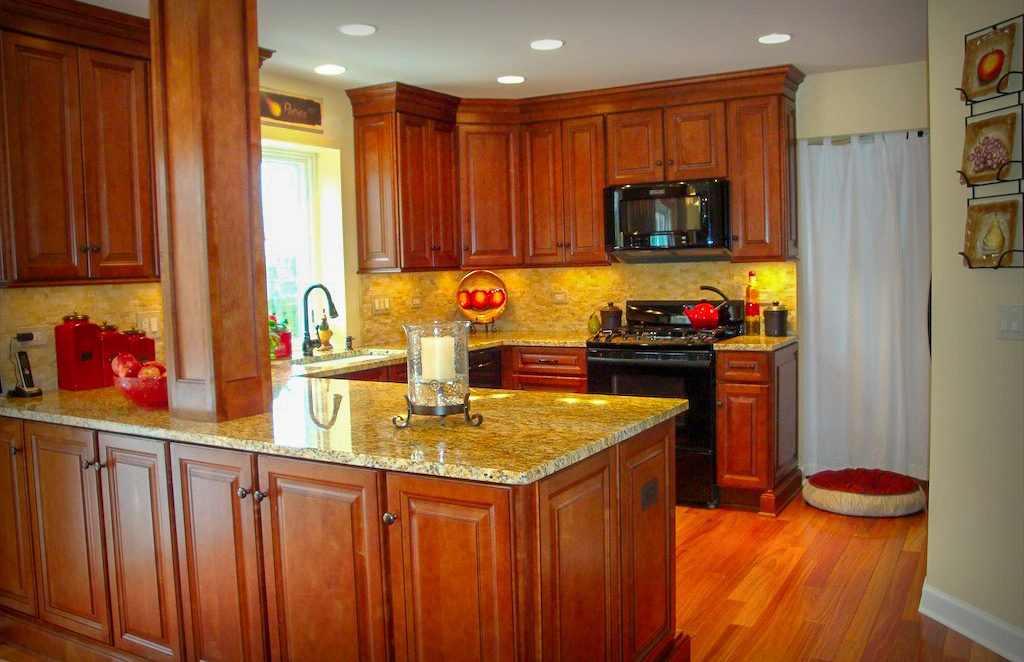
(441, 410)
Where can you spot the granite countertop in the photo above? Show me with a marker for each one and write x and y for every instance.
(524, 437)
(755, 343)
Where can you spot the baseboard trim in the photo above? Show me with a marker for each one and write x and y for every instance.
(994, 634)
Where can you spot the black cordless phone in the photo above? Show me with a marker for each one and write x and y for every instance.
(25, 371)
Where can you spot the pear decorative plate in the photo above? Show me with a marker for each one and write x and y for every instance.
(482, 296)
(989, 232)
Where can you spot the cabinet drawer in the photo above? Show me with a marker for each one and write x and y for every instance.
(743, 366)
(550, 361)
(549, 383)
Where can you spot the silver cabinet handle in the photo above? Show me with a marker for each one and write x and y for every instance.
(15, 450)
(390, 518)
(258, 496)
(87, 463)
(242, 492)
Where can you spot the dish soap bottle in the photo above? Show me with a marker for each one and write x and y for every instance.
(752, 308)
(325, 333)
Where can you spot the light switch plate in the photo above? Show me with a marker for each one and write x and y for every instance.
(1010, 321)
(148, 321)
(381, 305)
(416, 302)
(40, 336)
(559, 296)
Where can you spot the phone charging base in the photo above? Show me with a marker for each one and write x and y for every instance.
(22, 392)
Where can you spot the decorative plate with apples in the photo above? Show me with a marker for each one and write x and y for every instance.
(482, 296)
(143, 383)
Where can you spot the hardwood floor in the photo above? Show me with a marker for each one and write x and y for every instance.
(807, 585)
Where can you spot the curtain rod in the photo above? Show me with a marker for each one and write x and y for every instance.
(863, 137)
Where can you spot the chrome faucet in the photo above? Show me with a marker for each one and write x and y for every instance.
(308, 343)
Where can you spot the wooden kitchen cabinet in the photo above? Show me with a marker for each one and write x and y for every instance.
(17, 573)
(655, 145)
(376, 195)
(218, 553)
(762, 183)
(756, 429)
(78, 141)
(324, 601)
(563, 180)
(559, 369)
(489, 195)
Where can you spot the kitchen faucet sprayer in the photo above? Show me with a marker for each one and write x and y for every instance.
(308, 343)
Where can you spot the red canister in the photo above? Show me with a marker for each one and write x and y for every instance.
(141, 347)
(112, 343)
(79, 357)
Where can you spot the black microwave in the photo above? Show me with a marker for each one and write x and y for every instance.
(668, 221)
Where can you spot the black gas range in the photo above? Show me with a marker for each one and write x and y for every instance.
(658, 353)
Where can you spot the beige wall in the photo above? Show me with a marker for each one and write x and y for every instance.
(873, 100)
(976, 520)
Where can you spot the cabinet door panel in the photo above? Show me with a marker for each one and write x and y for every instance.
(786, 402)
(743, 444)
(118, 183)
(489, 195)
(542, 192)
(324, 602)
(41, 97)
(376, 204)
(579, 561)
(17, 574)
(140, 555)
(755, 178)
(647, 512)
(445, 226)
(583, 174)
(548, 383)
(416, 170)
(64, 498)
(788, 178)
(695, 141)
(218, 554)
(450, 558)
(635, 149)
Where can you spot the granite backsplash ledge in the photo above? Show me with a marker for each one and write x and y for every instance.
(531, 308)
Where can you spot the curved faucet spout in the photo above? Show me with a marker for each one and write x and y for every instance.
(308, 343)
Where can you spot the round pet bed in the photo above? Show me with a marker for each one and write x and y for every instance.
(864, 493)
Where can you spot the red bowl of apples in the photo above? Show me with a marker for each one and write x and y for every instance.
(482, 296)
(144, 384)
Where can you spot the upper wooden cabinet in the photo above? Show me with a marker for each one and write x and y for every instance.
(563, 179)
(489, 195)
(78, 141)
(679, 142)
(762, 186)
(405, 178)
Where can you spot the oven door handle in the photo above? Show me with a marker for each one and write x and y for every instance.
(648, 363)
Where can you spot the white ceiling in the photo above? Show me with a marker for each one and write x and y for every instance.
(461, 46)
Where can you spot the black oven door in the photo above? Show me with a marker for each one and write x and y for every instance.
(669, 374)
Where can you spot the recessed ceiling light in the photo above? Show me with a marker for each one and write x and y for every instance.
(330, 69)
(357, 29)
(511, 80)
(774, 38)
(546, 44)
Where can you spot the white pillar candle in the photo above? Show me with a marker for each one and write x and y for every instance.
(437, 354)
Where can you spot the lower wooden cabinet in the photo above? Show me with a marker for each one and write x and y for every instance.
(559, 369)
(17, 574)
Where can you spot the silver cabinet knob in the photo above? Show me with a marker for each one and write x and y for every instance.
(390, 518)
(258, 496)
(242, 492)
(15, 450)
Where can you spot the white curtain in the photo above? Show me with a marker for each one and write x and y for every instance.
(863, 303)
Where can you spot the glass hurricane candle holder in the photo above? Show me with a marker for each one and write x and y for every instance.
(438, 367)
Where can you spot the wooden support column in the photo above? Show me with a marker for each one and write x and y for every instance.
(206, 125)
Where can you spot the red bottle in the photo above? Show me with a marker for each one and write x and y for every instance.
(79, 358)
(112, 343)
(139, 346)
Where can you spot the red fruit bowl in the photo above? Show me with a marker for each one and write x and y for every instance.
(147, 393)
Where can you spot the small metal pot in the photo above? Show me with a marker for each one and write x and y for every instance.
(775, 320)
(611, 317)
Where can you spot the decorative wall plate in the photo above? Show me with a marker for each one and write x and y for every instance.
(481, 296)
(988, 145)
(989, 231)
(987, 58)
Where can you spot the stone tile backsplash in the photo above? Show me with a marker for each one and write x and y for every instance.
(45, 306)
(530, 306)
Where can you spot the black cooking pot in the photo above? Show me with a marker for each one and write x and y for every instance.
(611, 317)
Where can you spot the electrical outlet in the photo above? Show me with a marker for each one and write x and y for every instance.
(40, 336)
(560, 296)
(416, 302)
(148, 321)
(1010, 321)
(381, 305)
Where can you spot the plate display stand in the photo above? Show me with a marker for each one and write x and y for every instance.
(1008, 182)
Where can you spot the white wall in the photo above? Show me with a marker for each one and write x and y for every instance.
(873, 100)
(976, 516)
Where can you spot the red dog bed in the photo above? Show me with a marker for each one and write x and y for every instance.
(864, 493)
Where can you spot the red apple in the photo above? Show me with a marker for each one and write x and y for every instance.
(497, 297)
(150, 372)
(480, 298)
(990, 65)
(125, 365)
(158, 364)
(464, 299)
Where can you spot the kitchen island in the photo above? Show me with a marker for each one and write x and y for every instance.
(320, 531)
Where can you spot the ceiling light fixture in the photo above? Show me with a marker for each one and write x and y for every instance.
(357, 29)
(546, 44)
(511, 80)
(330, 69)
(774, 38)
